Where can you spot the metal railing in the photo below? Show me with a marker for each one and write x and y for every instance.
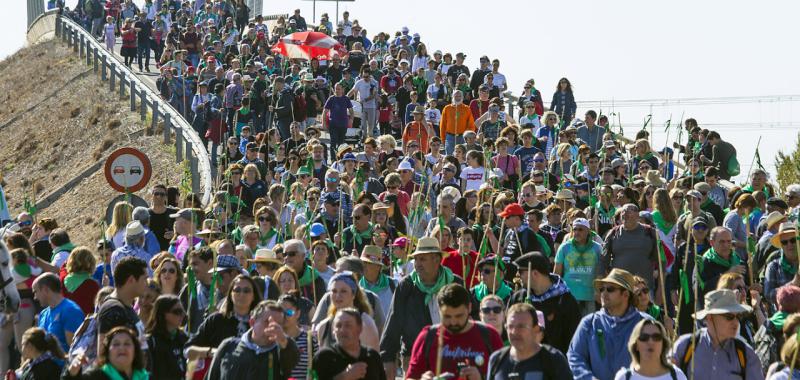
(188, 144)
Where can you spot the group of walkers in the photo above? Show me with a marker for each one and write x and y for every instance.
(449, 239)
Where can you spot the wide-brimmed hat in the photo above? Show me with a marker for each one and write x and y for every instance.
(134, 228)
(427, 245)
(619, 277)
(419, 110)
(342, 149)
(565, 195)
(543, 191)
(721, 301)
(380, 206)
(786, 230)
(372, 254)
(184, 213)
(774, 217)
(264, 255)
(653, 177)
(513, 209)
(210, 233)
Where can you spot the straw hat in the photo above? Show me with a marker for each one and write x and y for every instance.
(653, 177)
(786, 230)
(543, 191)
(372, 254)
(565, 195)
(721, 301)
(619, 277)
(775, 217)
(264, 255)
(427, 245)
(342, 149)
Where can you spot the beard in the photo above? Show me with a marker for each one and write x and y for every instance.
(455, 329)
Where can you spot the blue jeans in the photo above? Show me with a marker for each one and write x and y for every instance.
(450, 142)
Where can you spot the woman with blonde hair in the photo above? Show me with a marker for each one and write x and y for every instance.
(120, 217)
(287, 281)
(562, 160)
(665, 218)
(649, 344)
(643, 152)
(345, 293)
(76, 278)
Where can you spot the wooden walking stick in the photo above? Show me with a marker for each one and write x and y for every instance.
(439, 349)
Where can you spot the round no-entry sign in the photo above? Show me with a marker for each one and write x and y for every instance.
(127, 170)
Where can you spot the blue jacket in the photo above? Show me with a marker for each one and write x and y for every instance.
(600, 345)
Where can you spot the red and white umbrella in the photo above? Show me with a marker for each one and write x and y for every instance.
(308, 45)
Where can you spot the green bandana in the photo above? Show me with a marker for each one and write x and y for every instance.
(383, 283)
(662, 224)
(654, 311)
(113, 374)
(445, 277)
(265, 238)
(66, 247)
(24, 270)
(787, 266)
(481, 291)
(360, 237)
(715, 258)
(74, 280)
(608, 214)
(581, 248)
(779, 318)
(309, 275)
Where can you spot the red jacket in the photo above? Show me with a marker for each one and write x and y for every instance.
(84, 295)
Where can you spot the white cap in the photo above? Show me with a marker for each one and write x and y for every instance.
(134, 228)
(580, 222)
(405, 165)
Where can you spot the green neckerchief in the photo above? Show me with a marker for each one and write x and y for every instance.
(66, 247)
(646, 156)
(779, 318)
(445, 277)
(74, 280)
(705, 204)
(581, 248)
(654, 311)
(265, 238)
(23, 270)
(662, 224)
(244, 111)
(309, 275)
(787, 266)
(113, 374)
(543, 243)
(749, 189)
(359, 237)
(715, 258)
(481, 290)
(383, 283)
(608, 214)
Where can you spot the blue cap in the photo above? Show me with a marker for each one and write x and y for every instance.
(317, 229)
(349, 157)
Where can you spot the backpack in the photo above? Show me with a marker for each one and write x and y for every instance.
(629, 373)
(766, 343)
(741, 355)
(431, 335)
(733, 166)
(85, 341)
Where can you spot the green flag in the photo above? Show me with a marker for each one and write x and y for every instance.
(29, 206)
(758, 160)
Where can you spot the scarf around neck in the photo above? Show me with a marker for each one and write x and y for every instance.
(74, 280)
(113, 374)
(481, 290)
(662, 224)
(360, 237)
(309, 275)
(787, 266)
(445, 277)
(381, 285)
(715, 258)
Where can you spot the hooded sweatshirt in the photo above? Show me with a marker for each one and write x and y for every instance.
(599, 347)
(560, 310)
(241, 358)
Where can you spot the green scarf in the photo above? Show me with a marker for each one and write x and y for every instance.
(66, 247)
(74, 280)
(715, 258)
(662, 224)
(113, 374)
(581, 248)
(445, 277)
(309, 276)
(481, 291)
(23, 270)
(359, 237)
(654, 311)
(265, 238)
(779, 318)
(787, 266)
(608, 214)
(383, 283)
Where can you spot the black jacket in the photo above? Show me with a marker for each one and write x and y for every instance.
(283, 105)
(331, 361)
(561, 315)
(235, 359)
(408, 315)
(165, 360)
(45, 370)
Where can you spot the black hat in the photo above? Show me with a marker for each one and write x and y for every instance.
(536, 260)
(219, 87)
(777, 202)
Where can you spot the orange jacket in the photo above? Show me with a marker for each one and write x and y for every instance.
(456, 119)
(416, 131)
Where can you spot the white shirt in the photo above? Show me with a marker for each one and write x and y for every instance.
(636, 376)
(419, 62)
(499, 81)
(473, 176)
(364, 88)
(433, 116)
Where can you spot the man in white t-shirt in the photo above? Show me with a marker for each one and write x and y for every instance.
(499, 79)
(367, 90)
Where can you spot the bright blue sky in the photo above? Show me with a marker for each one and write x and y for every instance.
(609, 49)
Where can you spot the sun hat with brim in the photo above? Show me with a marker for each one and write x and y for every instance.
(513, 209)
(264, 255)
(209, 232)
(418, 110)
(702, 187)
(619, 277)
(565, 195)
(786, 230)
(405, 165)
(184, 213)
(226, 262)
(134, 228)
(774, 217)
(380, 206)
(372, 254)
(653, 177)
(721, 301)
(427, 245)
(543, 191)
(342, 149)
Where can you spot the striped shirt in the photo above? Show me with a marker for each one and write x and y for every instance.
(301, 369)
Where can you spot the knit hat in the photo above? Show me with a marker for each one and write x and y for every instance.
(788, 299)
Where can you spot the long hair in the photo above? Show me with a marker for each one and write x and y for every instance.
(138, 356)
(178, 272)
(663, 204)
(637, 331)
(121, 216)
(569, 85)
(157, 325)
(398, 222)
(227, 308)
(43, 342)
(360, 302)
(286, 269)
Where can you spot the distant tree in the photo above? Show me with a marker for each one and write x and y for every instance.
(788, 166)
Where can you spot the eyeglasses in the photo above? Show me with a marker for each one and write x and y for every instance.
(243, 290)
(169, 270)
(655, 337)
(291, 253)
(608, 289)
(178, 311)
(492, 309)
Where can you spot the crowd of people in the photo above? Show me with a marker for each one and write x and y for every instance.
(381, 214)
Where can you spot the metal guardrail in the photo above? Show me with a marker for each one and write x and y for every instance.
(188, 144)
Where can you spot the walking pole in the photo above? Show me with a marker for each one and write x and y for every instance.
(747, 249)
(440, 343)
(661, 281)
(694, 322)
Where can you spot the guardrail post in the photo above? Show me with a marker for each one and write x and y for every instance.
(143, 109)
(154, 120)
(104, 67)
(133, 96)
(122, 79)
(69, 37)
(82, 42)
(112, 72)
(88, 54)
(167, 125)
(195, 175)
(96, 59)
(178, 145)
(58, 26)
(75, 41)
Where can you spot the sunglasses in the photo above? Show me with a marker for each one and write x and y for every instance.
(331, 180)
(655, 337)
(700, 228)
(487, 271)
(159, 194)
(608, 289)
(289, 312)
(492, 309)
(787, 241)
(244, 290)
(169, 270)
(263, 219)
